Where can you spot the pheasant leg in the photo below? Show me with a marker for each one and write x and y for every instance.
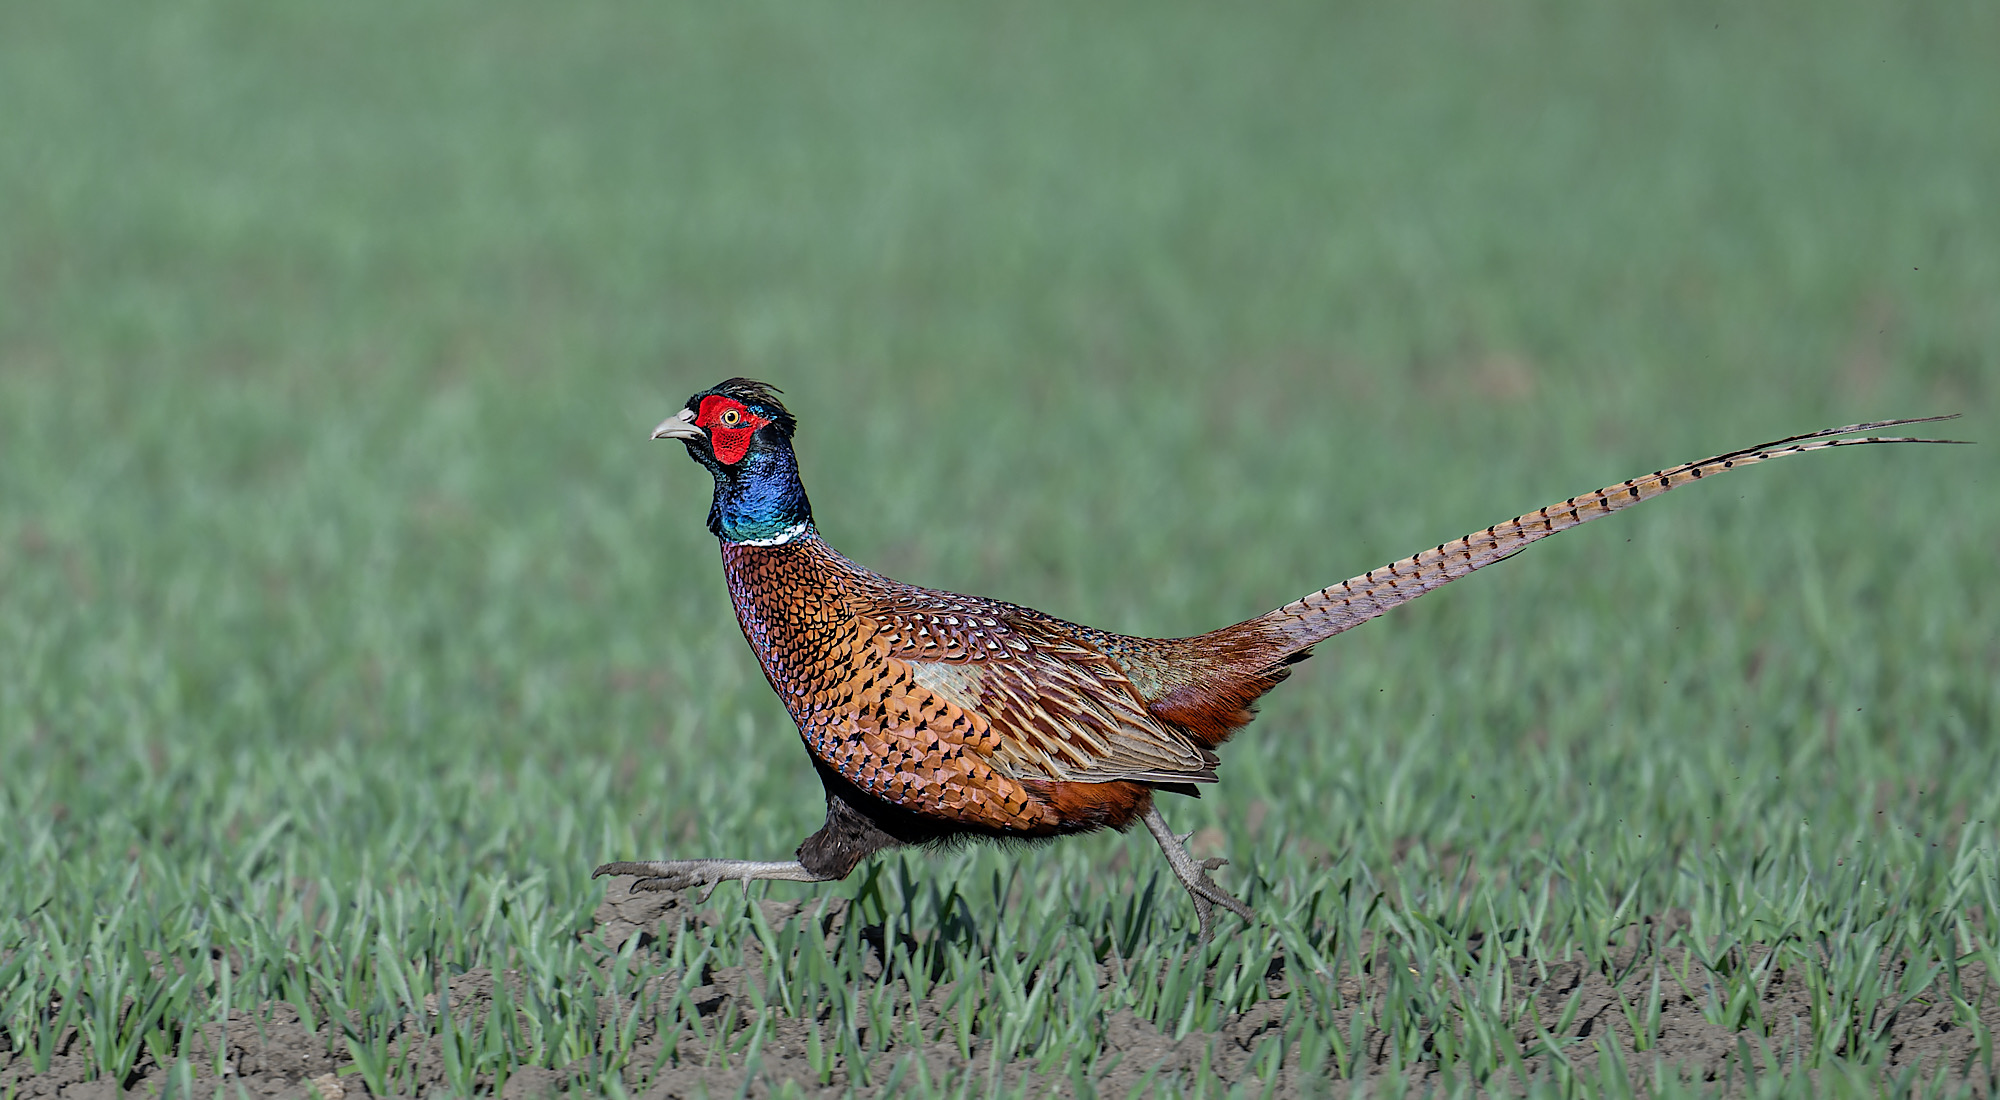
(1194, 875)
(683, 874)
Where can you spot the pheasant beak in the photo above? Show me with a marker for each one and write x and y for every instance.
(678, 426)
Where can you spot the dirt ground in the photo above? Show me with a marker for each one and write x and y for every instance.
(279, 1057)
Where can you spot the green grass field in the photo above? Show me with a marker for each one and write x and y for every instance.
(348, 619)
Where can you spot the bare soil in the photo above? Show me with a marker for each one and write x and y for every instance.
(275, 1055)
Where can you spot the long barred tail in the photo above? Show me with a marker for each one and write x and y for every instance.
(1350, 603)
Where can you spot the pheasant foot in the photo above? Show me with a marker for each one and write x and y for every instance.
(1193, 874)
(683, 874)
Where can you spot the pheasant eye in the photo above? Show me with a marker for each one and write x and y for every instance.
(731, 418)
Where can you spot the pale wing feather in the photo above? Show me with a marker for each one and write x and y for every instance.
(1062, 709)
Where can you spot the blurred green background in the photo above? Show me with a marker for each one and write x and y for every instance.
(332, 549)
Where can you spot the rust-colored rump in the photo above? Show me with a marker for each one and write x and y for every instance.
(1084, 807)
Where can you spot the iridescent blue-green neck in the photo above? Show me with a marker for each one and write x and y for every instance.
(760, 500)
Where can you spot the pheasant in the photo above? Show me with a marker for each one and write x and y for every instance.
(932, 716)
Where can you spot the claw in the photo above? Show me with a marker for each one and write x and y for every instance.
(1193, 874)
(682, 874)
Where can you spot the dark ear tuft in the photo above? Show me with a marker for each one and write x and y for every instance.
(762, 397)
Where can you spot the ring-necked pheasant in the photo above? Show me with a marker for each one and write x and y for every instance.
(931, 715)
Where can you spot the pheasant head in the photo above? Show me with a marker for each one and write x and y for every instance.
(742, 433)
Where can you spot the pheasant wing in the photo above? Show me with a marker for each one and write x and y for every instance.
(1060, 708)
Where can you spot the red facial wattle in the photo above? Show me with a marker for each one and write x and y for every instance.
(730, 425)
